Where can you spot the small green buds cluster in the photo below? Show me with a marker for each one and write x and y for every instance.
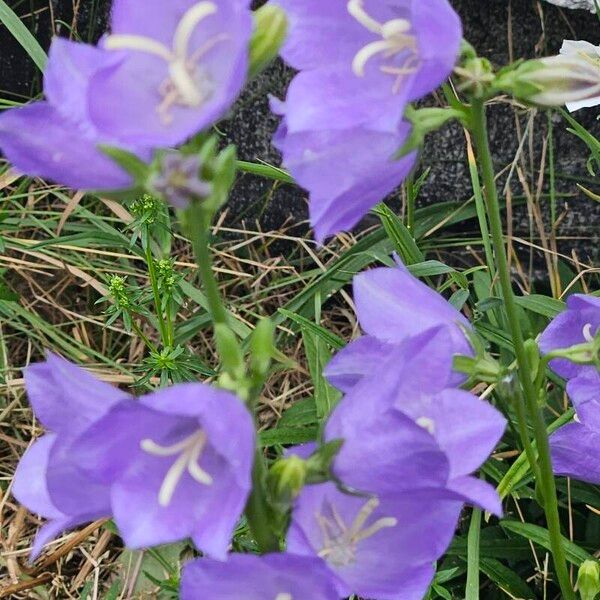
(588, 580)
(146, 209)
(118, 290)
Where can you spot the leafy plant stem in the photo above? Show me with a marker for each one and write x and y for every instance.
(546, 481)
(198, 223)
(164, 333)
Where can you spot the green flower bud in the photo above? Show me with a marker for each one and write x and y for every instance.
(262, 347)
(588, 579)
(287, 478)
(230, 352)
(269, 35)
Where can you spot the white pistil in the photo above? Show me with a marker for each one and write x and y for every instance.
(587, 332)
(187, 84)
(340, 541)
(190, 451)
(396, 38)
(427, 424)
(284, 596)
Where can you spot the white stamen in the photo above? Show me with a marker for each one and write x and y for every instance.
(587, 332)
(284, 596)
(138, 42)
(340, 542)
(396, 39)
(356, 9)
(187, 85)
(427, 424)
(190, 20)
(190, 451)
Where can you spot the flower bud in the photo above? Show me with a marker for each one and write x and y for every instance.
(588, 579)
(269, 34)
(287, 477)
(571, 78)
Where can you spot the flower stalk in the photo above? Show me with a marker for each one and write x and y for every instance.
(546, 482)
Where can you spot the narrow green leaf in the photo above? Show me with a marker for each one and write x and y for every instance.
(23, 35)
(538, 535)
(506, 579)
(288, 435)
(400, 235)
(330, 338)
(472, 587)
(541, 305)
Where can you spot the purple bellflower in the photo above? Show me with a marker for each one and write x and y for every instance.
(412, 388)
(380, 548)
(576, 325)
(360, 62)
(270, 577)
(182, 64)
(55, 138)
(393, 305)
(410, 449)
(67, 400)
(178, 463)
(576, 446)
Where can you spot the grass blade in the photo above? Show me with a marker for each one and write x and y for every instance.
(23, 35)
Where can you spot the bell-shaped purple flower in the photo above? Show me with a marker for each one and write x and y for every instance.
(55, 138)
(67, 400)
(178, 463)
(393, 305)
(576, 447)
(360, 62)
(346, 171)
(576, 325)
(435, 436)
(273, 576)
(410, 447)
(375, 547)
(182, 65)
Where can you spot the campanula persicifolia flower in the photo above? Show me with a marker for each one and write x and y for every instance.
(181, 65)
(374, 547)
(578, 324)
(361, 62)
(576, 447)
(67, 400)
(408, 408)
(55, 138)
(393, 305)
(178, 462)
(281, 576)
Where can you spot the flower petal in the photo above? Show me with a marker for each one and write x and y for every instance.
(575, 452)
(40, 142)
(358, 359)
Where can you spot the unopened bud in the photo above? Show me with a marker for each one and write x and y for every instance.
(270, 23)
(287, 477)
(571, 78)
(588, 579)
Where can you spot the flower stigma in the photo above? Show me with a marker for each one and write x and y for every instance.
(190, 451)
(427, 424)
(396, 39)
(284, 596)
(340, 541)
(188, 84)
(587, 332)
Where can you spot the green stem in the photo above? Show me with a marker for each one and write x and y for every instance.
(198, 232)
(411, 199)
(156, 293)
(257, 507)
(257, 511)
(546, 482)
